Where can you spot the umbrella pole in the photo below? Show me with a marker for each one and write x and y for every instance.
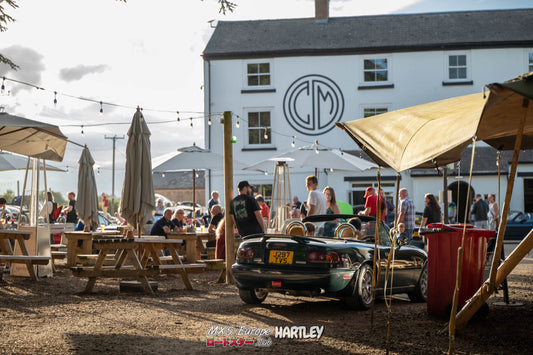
(485, 290)
(23, 191)
(194, 197)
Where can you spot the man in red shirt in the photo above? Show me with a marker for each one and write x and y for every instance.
(371, 204)
(105, 204)
(265, 211)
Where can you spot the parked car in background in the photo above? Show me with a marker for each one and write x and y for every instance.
(202, 209)
(327, 266)
(166, 200)
(519, 224)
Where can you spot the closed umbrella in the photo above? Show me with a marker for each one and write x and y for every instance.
(137, 200)
(87, 203)
(16, 162)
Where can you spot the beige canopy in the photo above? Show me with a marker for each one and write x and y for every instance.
(31, 138)
(437, 133)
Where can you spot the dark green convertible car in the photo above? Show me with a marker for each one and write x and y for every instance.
(338, 265)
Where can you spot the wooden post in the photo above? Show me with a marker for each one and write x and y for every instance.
(486, 290)
(22, 196)
(228, 194)
(194, 198)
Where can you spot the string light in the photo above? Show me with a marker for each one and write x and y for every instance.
(55, 98)
(163, 175)
(209, 121)
(266, 134)
(191, 122)
(316, 149)
(3, 86)
(82, 130)
(292, 142)
(178, 115)
(237, 124)
(101, 108)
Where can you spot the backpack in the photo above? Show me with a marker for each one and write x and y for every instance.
(56, 211)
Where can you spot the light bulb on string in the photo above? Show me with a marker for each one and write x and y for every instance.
(191, 122)
(163, 175)
(266, 134)
(266, 173)
(178, 115)
(209, 121)
(316, 149)
(237, 124)
(3, 85)
(292, 142)
(101, 108)
(82, 130)
(55, 98)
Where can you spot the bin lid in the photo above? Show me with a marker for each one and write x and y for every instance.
(470, 229)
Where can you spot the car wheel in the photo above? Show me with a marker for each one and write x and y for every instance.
(361, 298)
(252, 296)
(420, 293)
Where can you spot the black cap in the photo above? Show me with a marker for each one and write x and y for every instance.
(243, 184)
(2, 201)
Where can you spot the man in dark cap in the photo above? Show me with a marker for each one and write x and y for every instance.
(246, 212)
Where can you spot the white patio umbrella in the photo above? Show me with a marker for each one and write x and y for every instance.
(137, 201)
(87, 203)
(316, 156)
(10, 161)
(31, 138)
(194, 158)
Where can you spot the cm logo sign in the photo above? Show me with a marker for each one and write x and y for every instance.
(312, 104)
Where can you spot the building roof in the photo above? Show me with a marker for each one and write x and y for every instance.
(371, 34)
(178, 180)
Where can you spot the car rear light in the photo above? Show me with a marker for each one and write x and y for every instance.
(276, 283)
(246, 253)
(328, 257)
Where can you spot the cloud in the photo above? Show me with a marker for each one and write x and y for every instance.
(79, 71)
(30, 63)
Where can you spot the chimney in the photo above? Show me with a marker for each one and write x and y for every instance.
(321, 10)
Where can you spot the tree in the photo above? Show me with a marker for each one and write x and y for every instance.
(5, 19)
(9, 195)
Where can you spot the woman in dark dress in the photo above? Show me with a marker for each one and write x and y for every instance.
(431, 211)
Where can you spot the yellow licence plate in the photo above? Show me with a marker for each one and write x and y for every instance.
(280, 257)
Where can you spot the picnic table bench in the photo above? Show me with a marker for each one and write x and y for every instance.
(79, 242)
(7, 255)
(148, 248)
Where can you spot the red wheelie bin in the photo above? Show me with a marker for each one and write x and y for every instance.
(443, 242)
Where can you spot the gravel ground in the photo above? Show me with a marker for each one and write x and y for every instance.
(53, 316)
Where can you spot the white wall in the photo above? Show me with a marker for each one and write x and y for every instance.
(417, 79)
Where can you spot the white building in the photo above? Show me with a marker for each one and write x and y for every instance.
(297, 77)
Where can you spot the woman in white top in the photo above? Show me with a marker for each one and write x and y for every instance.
(48, 207)
(493, 215)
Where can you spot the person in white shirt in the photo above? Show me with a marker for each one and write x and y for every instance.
(316, 199)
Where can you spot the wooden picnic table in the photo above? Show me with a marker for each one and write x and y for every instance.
(194, 241)
(7, 254)
(148, 247)
(80, 242)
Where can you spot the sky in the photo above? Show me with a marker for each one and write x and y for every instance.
(140, 53)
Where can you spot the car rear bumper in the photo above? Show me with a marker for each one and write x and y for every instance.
(254, 276)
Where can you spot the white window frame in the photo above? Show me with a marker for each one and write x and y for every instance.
(447, 66)
(245, 74)
(389, 81)
(245, 126)
(374, 107)
(529, 60)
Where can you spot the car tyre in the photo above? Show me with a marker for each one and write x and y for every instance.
(252, 296)
(420, 293)
(361, 297)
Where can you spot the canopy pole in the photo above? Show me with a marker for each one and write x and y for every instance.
(451, 328)
(445, 193)
(194, 197)
(499, 183)
(228, 193)
(376, 252)
(23, 191)
(486, 290)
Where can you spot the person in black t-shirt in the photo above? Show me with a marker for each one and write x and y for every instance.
(70, 210)
(431, 211)
(164, 225)
(246, 212)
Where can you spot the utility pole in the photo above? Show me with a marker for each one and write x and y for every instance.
(114, 138)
